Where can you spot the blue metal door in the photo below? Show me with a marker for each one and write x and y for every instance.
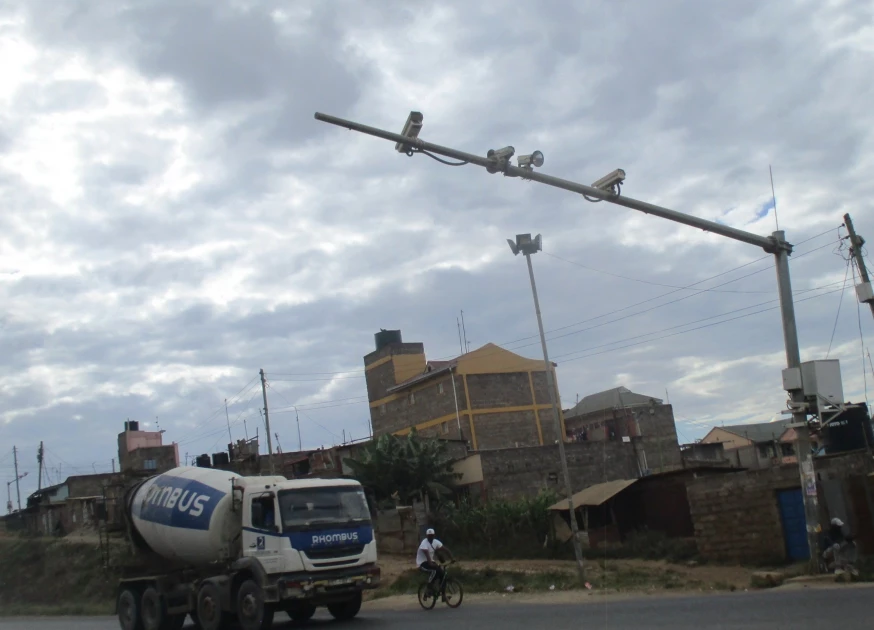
(791, 504)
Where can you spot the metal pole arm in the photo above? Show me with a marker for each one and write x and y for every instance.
(769, 244)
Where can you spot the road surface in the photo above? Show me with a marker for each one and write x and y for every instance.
(803, 609)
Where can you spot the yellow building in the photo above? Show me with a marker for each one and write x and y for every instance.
(490, 397)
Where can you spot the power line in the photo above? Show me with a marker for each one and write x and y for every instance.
(683, 332)
(840, 302)
(649, 282)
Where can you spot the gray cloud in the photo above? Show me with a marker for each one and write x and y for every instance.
(178, 220)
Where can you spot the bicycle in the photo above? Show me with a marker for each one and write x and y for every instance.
(449, 589)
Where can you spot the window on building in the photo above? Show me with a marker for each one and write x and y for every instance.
(766, 451)
(444, 428)
(439, 388)
(788, 450)
(150, 464)
(412, 398)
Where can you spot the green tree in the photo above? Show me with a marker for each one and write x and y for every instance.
(406, 467)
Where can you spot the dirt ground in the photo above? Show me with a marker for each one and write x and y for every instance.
(716, 576)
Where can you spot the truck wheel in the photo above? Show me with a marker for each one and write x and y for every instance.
(300, 611)
(209, 608)
(252, 612)
(347, 609)
(129, 611)
(152, 610)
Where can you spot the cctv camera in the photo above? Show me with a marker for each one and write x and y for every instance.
(411, 129)
(530, 160)
(609, 181)
(501, 154)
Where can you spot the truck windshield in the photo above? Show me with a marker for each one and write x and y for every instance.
(306, 507)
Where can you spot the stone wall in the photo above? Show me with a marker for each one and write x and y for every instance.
(516, 473)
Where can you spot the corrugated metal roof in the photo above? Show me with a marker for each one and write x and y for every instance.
(759, 432)
(595, 495)
(615, 398)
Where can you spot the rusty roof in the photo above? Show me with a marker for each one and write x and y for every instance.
(595, 495)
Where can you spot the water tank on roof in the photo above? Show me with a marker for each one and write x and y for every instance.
(134, 425)
(202, 461)
(386, 337)
(220, 459)
(850, 431)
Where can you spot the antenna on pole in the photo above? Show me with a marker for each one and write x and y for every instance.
(466, 348)
(460, 344)
(773, 196)
(228, 418)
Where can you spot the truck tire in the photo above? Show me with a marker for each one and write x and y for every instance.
(152, 610)
(300, 611)
(345, 610)
(252, 612)
(129, 610)
(209, 608)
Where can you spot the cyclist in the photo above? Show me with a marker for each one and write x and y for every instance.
(426, 556)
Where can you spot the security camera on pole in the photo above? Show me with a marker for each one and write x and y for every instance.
(526, 245)
(608, 189)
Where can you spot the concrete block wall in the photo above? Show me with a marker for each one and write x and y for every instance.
(736, 515)
(658, 432)
(517, 473)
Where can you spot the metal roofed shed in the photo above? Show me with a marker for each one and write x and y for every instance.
(594, 496)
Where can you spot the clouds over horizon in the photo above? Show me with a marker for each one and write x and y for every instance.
(175, 219)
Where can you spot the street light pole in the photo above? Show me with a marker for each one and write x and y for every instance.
(526, 245)
(607, 189)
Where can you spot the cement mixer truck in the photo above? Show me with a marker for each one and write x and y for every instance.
(226, 550)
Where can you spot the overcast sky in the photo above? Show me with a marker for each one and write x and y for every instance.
(173, 218)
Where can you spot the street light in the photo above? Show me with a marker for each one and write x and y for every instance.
(9, 493)
(526, 246)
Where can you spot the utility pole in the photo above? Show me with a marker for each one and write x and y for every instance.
(856, 243)
(17, 477)
(267, 422)
(228, 418)
(39, 458)
(526, 245)
(608, 189)
(299, 441)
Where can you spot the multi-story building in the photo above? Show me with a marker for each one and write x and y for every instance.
(144, 452)
(490, 397)
(755, 446)
(622, 415)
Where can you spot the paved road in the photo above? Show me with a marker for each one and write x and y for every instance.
(808, 609)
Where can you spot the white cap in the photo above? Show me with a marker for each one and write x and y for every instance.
(429, 532)
(837, 522)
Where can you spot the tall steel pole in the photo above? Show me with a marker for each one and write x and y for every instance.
(267, 422)
(799, 411)
(556, 416)
(498, 162)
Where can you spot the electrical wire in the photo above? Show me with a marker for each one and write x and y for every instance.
(434, 157)
(683, 332)
(655, 284)
(840, 302)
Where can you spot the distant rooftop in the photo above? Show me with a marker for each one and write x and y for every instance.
(615, 398)
(760, 431)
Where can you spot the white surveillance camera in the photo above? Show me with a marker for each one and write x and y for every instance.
(411, 129)
(531, 160)
(609, 181)
(501, 154)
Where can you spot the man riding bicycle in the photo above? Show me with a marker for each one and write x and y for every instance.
(426, 556)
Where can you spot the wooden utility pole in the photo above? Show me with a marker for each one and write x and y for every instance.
(39, 458)
(17, 477)
(856, 243)
(267, 422)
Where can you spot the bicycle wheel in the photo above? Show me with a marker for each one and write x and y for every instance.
(427, 599)
(453, 593)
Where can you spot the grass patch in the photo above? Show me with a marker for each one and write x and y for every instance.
(53, 577)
